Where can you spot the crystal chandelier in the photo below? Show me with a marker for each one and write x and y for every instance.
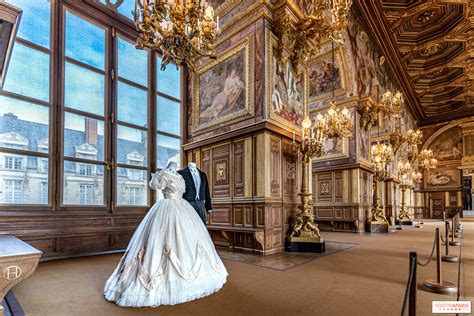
(404, 171)
(426, 159)
(335, 123)
(416, 176)
(181, 29)
(299, 39)
(391, 104)
(382, 155)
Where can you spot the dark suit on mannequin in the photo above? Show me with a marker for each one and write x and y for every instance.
(200, 201)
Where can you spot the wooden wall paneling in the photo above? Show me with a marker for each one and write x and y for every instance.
(325, 212)
(290, 181)
(47, 245)
(248, 216)
(238, 214)
(85, 244)
(239, 168)
(221, 170)
(121, 239)
(221, 215)
(260, 215)
(259, 175)
(206, 166)
(338, 187)
(248, 166)
(275, 166)
(324, 187)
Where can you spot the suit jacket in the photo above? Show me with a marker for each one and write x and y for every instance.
(190, 193)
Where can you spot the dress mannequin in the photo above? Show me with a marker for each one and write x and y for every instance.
(197, 190)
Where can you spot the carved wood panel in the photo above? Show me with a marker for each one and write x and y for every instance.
(290, 181)
(275, 166)
(221, 215)
(84, 244)
(260, 215)
(238, 213)
(206, 165)
(324, 212)
(324, 187)
(248, 216)
(221, 171)
(338, 187)
(239, 167)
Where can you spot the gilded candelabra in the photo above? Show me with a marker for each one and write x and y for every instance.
(382, 155)
(181, 29)
(305, 235)
(305, 230)
(406, 182)
(408, 170)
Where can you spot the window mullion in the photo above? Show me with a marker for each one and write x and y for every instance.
(152, 87)
(112, 115)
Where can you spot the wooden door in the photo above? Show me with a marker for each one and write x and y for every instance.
(437, 200)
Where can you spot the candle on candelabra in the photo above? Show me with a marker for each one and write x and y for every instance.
(293, 137)
(302, 135)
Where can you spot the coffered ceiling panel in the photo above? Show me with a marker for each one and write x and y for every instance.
(431, 44)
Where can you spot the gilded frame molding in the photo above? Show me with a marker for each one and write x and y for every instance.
(270, 44)
(339, 56)
(248, 46)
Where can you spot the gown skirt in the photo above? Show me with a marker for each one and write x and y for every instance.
(170, 259)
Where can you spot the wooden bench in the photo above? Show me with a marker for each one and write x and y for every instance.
(18, 260)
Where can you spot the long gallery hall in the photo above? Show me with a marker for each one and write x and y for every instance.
(236, 157)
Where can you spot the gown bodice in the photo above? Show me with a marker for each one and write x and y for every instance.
(171, 183)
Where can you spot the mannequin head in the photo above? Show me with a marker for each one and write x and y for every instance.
(192, 165)
(171, 166)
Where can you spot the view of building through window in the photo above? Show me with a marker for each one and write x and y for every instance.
(103, 129)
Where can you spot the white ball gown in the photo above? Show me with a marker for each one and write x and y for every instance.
(171, 258)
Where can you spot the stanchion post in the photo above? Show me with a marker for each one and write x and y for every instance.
(439, 286)
(447, 257)
(412, 301)
(453, 242)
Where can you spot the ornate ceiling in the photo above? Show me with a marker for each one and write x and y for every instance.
(431, 45)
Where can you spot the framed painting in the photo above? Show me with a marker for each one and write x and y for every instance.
(334, 149)
(324, 76)
(442, 178)
(286, 91)
(223, 89)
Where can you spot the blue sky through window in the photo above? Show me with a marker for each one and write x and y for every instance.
(132, 104)
(28, 73)
(85, 41)
(132, 62)
(83, 89)
(35, 20)
(168, 116)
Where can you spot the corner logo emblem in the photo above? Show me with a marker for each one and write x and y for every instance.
(12, 273)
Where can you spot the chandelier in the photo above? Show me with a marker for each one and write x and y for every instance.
(416, 176)
(382, 155)
(336, 123)
(404, 171)
(301, 38)
(389, 105)
(181, 29)
(426, 159)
